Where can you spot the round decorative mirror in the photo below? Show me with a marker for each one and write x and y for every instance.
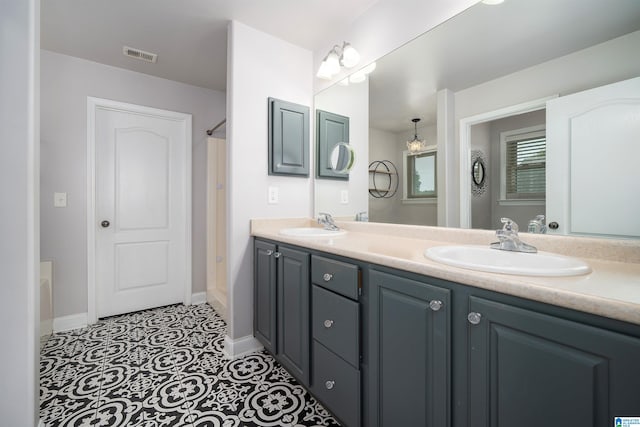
(343, 157)
(478, 172)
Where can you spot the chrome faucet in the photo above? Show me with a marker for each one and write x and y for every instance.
(537, 225)
(327, 221)
(509, 240)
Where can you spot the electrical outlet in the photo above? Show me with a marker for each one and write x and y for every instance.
(272, 197)
(344, 197)
(59, 200)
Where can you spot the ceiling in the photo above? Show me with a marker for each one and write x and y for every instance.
(484, 43)
(189, 36)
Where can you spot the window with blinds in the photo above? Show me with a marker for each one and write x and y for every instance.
(525, 166)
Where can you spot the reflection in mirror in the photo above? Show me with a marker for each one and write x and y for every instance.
(487, 59)
(477, 172)
(343, 158)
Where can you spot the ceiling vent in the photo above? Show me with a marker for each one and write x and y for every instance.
(139, 54)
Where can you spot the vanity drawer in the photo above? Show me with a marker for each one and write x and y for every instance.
(337, 385)
(335, 324)
(336, 276)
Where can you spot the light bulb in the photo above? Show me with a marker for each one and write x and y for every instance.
(369, 68)
(350, 56)
(323, 72)
(333, 63)
(357, 77)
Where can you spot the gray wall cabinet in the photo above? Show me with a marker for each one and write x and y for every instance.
(331, 129)
(288, 138)
(281, 307)
(402, 349)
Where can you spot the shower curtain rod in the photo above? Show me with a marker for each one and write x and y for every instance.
(211, 131)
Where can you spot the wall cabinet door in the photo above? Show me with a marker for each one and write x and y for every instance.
(293, 312)
(529, 369)
(264, 294)
(409, 342)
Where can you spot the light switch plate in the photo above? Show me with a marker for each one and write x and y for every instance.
(344, 197)
(273, 195)
(59, 200)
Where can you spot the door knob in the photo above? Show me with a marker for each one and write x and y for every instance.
(327, 276)
(474, 318)
(105, 223)
(554, 225)
(435, 305)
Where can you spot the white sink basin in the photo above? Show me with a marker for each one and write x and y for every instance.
(483, 258)
(311, 232)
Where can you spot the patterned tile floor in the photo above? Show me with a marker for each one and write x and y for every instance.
(165, 367)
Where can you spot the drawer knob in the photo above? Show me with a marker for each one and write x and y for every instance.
(277, 254)
(328, 323)
(269, 252)
(435, 305)
(329, 384)
(327, 276)
(474, 318)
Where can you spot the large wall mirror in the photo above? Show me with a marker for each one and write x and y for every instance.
(480, 83)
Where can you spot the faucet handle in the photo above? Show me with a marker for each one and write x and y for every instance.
(509, 225)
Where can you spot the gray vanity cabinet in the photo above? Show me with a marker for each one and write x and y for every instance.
(386, 348)
(281, 306)
(264, 294)
(335, 326)
(531, 369)
(409, 352)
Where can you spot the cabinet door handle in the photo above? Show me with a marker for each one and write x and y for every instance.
(277, 254)
(435, 305)
(269, 252)
(327, 276)
(474, 318)
(328, 323)
(329, 384)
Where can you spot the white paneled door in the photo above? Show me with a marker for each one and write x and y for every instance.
(593, 147)
(141, 216)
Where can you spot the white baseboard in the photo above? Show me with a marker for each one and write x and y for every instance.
(67, 323)
(234, 349)
(198, 298)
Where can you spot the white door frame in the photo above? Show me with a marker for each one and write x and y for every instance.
(98, 103)
(465, 147)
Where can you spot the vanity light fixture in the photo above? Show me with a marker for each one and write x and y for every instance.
(492, 2)
(346, 56)
(416, 145)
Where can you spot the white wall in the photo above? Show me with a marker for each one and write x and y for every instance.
(19, 258)
(258, 66)
(387, 25)
(351, 101)
(66, 83)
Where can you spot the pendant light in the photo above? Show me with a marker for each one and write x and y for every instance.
(416, 145)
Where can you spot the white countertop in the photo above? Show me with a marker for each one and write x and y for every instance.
(611, 290)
